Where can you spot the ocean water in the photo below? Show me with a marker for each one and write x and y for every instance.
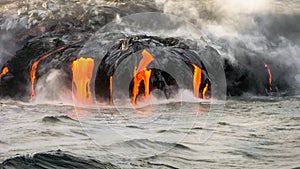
(252, 132)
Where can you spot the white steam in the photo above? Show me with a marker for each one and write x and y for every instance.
(266, 29)
(52, 87)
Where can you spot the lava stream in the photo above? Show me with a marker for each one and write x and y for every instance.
(111, 90)
(34, 66)
(270, 77)
(82, 69)
(204, 92)
(4, 71)
(142, 74)
(197, 80)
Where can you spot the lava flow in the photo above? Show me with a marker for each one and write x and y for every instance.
(270, 77)
(142, 74)
(34, 67)
(204, 92)
(4, 72)
(197, 80)
(82, 69)
(110, 90)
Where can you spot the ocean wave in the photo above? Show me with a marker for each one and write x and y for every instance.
(54, 159)
(56, 119)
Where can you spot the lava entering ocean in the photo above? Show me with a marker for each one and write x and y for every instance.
(204, 96)
(197, 80)
(142, 74)
(111, 90)
(35, 66)
(270, 77)
(82, 69)
(145, 80)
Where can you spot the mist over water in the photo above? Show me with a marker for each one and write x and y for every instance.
(252, 131)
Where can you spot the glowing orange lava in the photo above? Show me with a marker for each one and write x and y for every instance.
(4, 72)
(111, 90)
(197, 80)
(82, 69)
(270, 77)
(34, 66)
(204, 92)
(142, 74)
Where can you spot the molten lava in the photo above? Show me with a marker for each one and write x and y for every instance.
(4, 72)
(82, 69)
(111, 90)
(197, 80)
(146, 60)
(270, 77)
(204, 92)
(142, 74)
(34, 66)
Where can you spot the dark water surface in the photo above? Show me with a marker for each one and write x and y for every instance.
(251, 133)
